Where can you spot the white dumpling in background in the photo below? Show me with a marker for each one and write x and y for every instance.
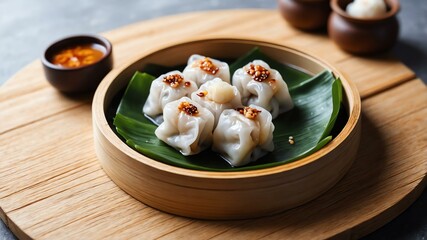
(367, 8)
(201, 69)
(187, 126)
(262, 86)
(243, 135)
(217, 95)
(165, 89)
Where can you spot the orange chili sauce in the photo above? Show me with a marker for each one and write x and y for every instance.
(78, 56)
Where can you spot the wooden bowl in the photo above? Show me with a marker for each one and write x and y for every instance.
(305, 14)
(222, 195)
(363, 36)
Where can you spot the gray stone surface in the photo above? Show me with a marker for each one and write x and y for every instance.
(27, 27)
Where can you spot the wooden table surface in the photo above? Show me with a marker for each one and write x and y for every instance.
(409, 225)
(52, 185)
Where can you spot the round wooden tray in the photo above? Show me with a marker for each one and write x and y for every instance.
(52, 185)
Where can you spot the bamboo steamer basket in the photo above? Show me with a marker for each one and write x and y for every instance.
(223, 195)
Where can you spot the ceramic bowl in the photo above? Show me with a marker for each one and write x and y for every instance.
(305, 14)
(78, 79)
(363, 36)
(222, 195)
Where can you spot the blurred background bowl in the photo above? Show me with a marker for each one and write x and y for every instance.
(305, 14)
(77, 79)
(363, 36)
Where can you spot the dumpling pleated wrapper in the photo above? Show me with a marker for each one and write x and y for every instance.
(165, 89)
(217, 95)
(201, 69)
(240, 139)
(189, 134)
(270, 93)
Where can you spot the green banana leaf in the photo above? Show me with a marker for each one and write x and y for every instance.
(317, 107)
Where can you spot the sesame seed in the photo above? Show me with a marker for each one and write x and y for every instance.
(258, 72)
(188, 108)
(173, 80)
(248, 112)
(207, 65)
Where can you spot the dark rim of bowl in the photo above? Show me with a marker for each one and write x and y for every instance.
(89, 38)
(393, 9)
(308, 1)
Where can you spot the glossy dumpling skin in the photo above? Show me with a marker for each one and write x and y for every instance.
(163, 92)
(241, 140)
(189, 134)
(195, 65)
(271, 93)
(217, 95)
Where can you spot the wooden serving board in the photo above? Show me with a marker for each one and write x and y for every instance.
(52, 186)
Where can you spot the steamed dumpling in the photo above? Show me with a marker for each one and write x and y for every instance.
(201, 69)
(217, 95)
(165, 89)
(262, 86)
(243, 135)
(187, 126)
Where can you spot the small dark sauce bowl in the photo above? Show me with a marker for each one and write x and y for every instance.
(363, 36)
(79, 79)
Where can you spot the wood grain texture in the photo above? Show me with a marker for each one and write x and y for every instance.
(51, 185)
